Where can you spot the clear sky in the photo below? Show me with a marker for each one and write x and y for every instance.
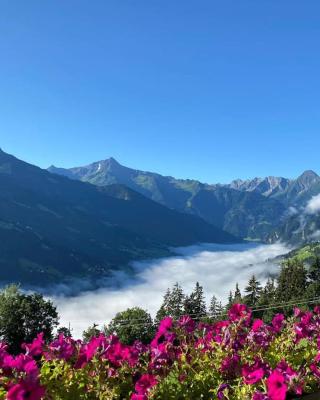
(205, 89)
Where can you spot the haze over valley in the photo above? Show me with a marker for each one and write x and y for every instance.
(217, 267)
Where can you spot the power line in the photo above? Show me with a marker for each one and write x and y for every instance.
(128, 322)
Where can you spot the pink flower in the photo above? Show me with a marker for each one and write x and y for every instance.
(165, 325)
(305, 328)
(260, 396)
(286, 370)
(26, 390)
(187, 323)
(257, 324)
(145, 383)
(230, 366)
(315, 370)
(239, 311)
(316, 310)
(297, 312)
(62, 348)
(163, 333)
(251, 375)
(22, 363)
(277, 389)
(135, 396)
(277, 322)
(35, 348)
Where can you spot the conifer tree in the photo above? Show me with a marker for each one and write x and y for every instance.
(314, 271)
(268, 293)
(195, 305)
(230, 300)
(164, 309)
(253, 291)
(237, 295)
(173, 304)
(215, 308)
(313, 289)
(292, 281)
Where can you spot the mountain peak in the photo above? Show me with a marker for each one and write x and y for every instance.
(111, 161)
(307, 179)
(309, 174)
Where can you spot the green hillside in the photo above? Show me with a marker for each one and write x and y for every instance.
(52, 227)
(241, 213)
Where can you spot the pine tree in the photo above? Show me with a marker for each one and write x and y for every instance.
(176, 302)
(237, 295)
(314, 271)
(313, 289)
(230, 300)
(163, 311)
(268, 293)
(173, 304)
(267, 298)
(292, 282)
(195, 305)
(253, 291)
(215, 308)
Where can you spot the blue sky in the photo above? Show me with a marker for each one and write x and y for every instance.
(207, 89)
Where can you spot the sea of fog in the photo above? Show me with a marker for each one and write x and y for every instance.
(216, 267)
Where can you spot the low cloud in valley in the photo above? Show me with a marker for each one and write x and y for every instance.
(217, 267)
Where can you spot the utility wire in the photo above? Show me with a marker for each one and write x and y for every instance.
(124, 323)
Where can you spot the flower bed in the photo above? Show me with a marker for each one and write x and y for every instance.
(239, 358)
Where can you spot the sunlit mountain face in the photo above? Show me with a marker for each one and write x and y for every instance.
(256, 209)
(52, 227)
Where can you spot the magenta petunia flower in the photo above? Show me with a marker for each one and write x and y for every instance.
(187, 323)
(62, 348)
(238, 311)
(165, 325)
(277, 388)
(277, 322)
(36, 347)
(135, 396)
(316, 310)
(252, 375)
(260, 396)
(257, 324)
(230, 366)
(26, 390)
(145, 383)
(315, 370)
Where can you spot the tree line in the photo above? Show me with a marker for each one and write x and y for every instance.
(23, 316)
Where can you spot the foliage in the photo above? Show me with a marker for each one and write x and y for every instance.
(240, 358)
(292, 281)
(131, 325)
(195, 305)
(22, 316)
(67, 332)
(215, 308)
(173, 303)
(90, 333)
(253, 291)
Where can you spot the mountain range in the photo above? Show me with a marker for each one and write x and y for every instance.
(256, 209)
(52, 227)
(90, 221)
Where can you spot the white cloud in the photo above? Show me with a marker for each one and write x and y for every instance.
(216, 267)
(313, 206)
(315, 235)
